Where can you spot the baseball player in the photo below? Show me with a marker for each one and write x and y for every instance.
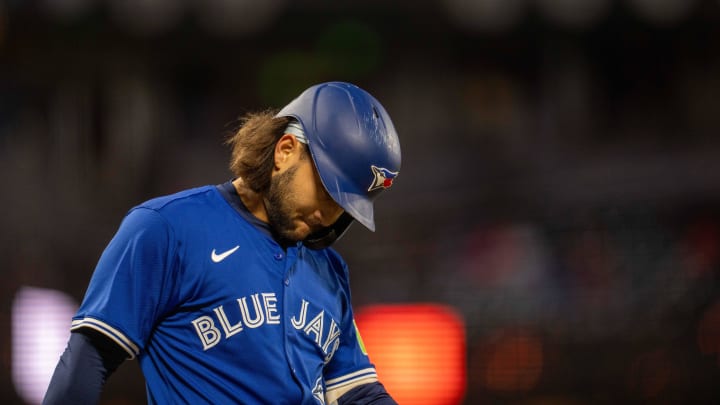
(231, 293)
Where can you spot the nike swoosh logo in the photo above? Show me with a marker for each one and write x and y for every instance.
(218, 257)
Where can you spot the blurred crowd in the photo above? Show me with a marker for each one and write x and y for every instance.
(560, 181)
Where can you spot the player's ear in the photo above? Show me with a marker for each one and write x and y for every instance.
(287, 150)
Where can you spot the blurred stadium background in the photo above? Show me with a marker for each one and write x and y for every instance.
(558, 198)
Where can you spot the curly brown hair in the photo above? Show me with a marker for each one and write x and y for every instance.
(253, 147)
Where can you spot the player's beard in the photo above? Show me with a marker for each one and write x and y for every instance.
(278, 205)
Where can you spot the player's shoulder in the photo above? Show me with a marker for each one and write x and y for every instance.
(175, 209)
(180, 199)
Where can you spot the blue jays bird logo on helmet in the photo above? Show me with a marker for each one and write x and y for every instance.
(383, 178)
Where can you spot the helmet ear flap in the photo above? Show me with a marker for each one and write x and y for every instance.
(326, 237)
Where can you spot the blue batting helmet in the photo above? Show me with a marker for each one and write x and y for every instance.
(353, 144)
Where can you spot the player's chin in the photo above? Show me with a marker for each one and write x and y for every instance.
(299, 232)
(303, 230)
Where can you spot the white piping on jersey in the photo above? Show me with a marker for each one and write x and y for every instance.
(336, 387)
(349, 378)
(107, 330)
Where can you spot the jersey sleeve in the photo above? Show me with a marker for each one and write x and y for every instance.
(350, 365)
(132, 284)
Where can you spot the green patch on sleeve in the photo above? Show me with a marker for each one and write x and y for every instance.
(359, 338)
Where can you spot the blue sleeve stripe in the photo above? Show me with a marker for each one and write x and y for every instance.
(107, 330)
(347, 379)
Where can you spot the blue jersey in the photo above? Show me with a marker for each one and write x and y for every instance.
(216, 311)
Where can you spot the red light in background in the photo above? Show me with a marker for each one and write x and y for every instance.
(418, 351)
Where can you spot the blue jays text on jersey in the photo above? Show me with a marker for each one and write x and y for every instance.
(216, 311)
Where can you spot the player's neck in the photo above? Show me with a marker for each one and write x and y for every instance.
(252, 200)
